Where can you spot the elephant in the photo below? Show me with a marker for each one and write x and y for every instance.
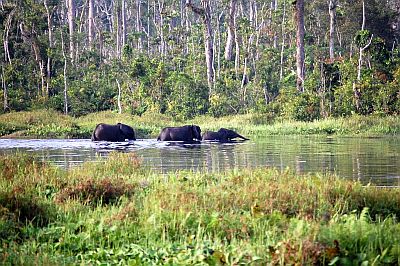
(118, 132)
(183, 133)
(222, 135)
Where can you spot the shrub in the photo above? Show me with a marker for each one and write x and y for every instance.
(94, 192)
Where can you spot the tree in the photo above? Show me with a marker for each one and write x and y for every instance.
(91, 30)
(71, 24)
(231, 31)
(363, 45)
(205, 13)
(299, 21)
(332, 22)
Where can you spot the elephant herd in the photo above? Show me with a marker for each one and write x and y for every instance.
(188, 133)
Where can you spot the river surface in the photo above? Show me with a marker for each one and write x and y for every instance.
(370, 160)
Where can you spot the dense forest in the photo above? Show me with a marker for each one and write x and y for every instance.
(302, 60)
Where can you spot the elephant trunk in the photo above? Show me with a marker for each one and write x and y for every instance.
(244, 138)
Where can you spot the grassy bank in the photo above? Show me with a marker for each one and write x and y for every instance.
(118, 212)
(50, 124)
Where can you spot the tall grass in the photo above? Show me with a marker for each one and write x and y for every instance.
(118, 212)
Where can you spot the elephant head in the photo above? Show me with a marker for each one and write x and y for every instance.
(227, 134)
(127, 131)
(196, 132)
(222, 135)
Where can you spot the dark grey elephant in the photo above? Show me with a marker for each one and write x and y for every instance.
(118, 132)
(222, 135)
(183, 133)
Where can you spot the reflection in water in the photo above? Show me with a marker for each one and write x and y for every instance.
(375, 160)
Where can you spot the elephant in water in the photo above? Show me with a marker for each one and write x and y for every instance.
(222, 135)
(183, 133)
(118, 132)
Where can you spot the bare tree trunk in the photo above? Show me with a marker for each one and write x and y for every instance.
(205, 12)
(50, 29)
(118, 28)
(237, 53)
(91, 24)
(161, 6)
(7, 56)
(219, 44)
(332, 22)
(5, 91)
(356, 89)
(139, 24)
(283, 40)
(148, 27)
(119, 97)
(231, 31)
(65, 76)
(245, 77)
(123, 21)
(274, 8)
(71, 24)
(299, 21)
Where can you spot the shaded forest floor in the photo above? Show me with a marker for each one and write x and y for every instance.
(50, 124)
(119, 212)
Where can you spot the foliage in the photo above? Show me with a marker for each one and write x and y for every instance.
(160, 66)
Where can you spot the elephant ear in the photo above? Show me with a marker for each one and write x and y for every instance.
(127, 131)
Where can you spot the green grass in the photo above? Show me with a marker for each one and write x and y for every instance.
(50, 124)
(118, 212)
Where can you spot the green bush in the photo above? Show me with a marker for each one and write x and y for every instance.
(300, 106)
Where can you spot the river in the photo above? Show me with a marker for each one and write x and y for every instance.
(369, 160)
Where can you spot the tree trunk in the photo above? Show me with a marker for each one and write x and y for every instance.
(119, 97)
(65, 75)
(71, 24)
(299, 21)
(205, 12)
(283, 40)
(231, 31)
(118, 28)
(161, 6)
(218, 48)
(332, 22)
(7, 56)
(356, 89)
(237, 53)
(91, 24)
(123, 22)
(50, 29)
(139, 24)
(5, 91)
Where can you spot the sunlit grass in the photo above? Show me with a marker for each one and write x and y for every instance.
(116, 211)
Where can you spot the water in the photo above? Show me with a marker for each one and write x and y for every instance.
(375, 160)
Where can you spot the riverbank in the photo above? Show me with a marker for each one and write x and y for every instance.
(50, 124)
(119, 212)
